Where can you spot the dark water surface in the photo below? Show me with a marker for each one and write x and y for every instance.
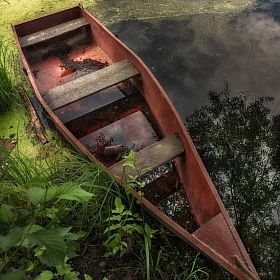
(243, 50)
(191, 55)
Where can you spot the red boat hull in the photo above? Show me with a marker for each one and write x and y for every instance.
(215, 235)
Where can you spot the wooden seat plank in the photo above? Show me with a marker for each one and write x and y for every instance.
(153, 156)
(52, 32)
(89, 84)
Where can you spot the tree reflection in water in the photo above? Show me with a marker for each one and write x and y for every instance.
(239, 143)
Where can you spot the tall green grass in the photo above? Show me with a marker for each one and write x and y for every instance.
(9, 74)
(20, 174)
(18, 171)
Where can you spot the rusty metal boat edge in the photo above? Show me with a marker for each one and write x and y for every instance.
(216, 236)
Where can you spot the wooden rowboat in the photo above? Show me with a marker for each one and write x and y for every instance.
(105, 101)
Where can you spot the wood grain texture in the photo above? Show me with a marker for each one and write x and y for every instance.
(89, 84)
(52, 32)
(153, 156)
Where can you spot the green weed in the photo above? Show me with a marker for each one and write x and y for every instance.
(38, 201)
(195, 272)
(49, 206)
(9, 74)
(124, 225)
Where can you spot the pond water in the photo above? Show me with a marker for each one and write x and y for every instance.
(194, 54)
(192, 47)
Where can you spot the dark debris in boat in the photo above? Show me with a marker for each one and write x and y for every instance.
(59, 50)
(83, 65)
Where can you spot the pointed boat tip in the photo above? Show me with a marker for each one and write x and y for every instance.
(225, 247)
(250, 275)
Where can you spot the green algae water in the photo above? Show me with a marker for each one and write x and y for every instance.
(13, 11)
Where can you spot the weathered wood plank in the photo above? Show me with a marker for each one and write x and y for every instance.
(52, 32)
(153, 156)
(89, 84)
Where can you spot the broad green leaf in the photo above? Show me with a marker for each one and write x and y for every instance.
(24, 212)
(118, 209)
(115, 218)
(14, 275)
(31, 265)
(32, 228)
(127, 213)
(113, 243)
(116, 249)
(6, 215)
(55, 247)
(36, 194)
(40, 250)
(68, 191)
(128, 220)
(72, 247)
(124, 244)
(13, 237)
(45, 275)
(63, 231)
(149, 231)
(108, 254)
(13, 200)
(118, 237)
(73, 236)
(63, 269)
(87, 277)
(73, 275)
(139, 229)
(118, 202)
(29, 229)
(66, 233)
(113, 227)
(36, 181)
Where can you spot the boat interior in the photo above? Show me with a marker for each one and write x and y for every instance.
(96, 100)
